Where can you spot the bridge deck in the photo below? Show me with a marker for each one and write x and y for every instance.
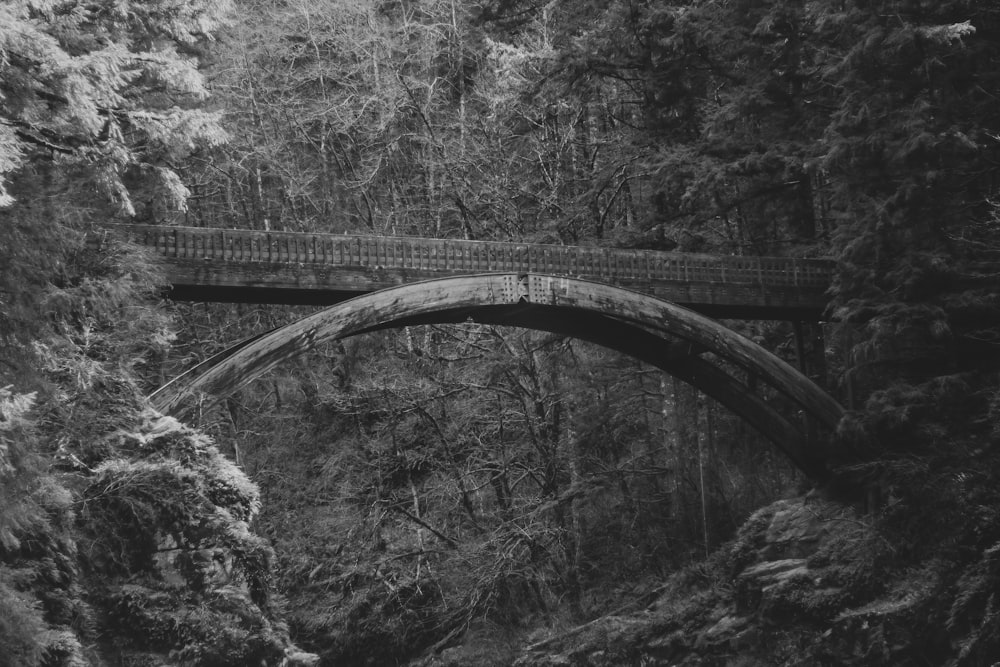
(295, 268)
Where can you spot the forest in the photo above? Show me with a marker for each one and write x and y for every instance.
(471, 494)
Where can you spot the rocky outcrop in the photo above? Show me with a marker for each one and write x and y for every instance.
(796, 586)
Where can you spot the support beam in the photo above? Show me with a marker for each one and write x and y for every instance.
(585, 309)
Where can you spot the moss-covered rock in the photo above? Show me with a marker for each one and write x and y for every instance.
(177, 574)
(776, 594)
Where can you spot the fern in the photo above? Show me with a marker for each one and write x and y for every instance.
(22, 626)
(974, 616)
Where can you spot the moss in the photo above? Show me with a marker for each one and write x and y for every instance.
(743, 548)
(222, 627)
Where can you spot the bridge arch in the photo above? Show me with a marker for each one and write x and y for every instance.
(653, 330)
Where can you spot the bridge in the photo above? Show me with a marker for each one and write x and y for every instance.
(500, 284)
(321, 269)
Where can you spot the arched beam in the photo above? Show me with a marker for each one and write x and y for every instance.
(557, 297)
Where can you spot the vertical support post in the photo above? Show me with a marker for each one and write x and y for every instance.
(810, 352)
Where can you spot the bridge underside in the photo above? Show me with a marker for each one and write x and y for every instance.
(317, 285)
(663, 334)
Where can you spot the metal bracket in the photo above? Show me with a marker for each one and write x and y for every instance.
(547, 289)
(523, 288)
(509, 289)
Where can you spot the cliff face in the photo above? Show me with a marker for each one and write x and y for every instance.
(806, 581)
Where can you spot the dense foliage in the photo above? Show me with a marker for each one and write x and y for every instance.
(116, 527)
(429, 482)
(437, 483)
(862, 131)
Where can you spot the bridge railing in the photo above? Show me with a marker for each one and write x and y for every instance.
(374, 252)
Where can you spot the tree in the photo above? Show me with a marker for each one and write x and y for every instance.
(106, 94)
(99, 103)
(456, 475)
(97, 107)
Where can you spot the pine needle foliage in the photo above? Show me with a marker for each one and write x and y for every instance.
(103, 87)
(22, 625)
(99, 103)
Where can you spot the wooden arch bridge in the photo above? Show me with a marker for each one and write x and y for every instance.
(641, 303)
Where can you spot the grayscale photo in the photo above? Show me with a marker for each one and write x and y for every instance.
(499, 333)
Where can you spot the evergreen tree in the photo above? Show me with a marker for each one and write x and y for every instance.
(107, 92)
(99, 103)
